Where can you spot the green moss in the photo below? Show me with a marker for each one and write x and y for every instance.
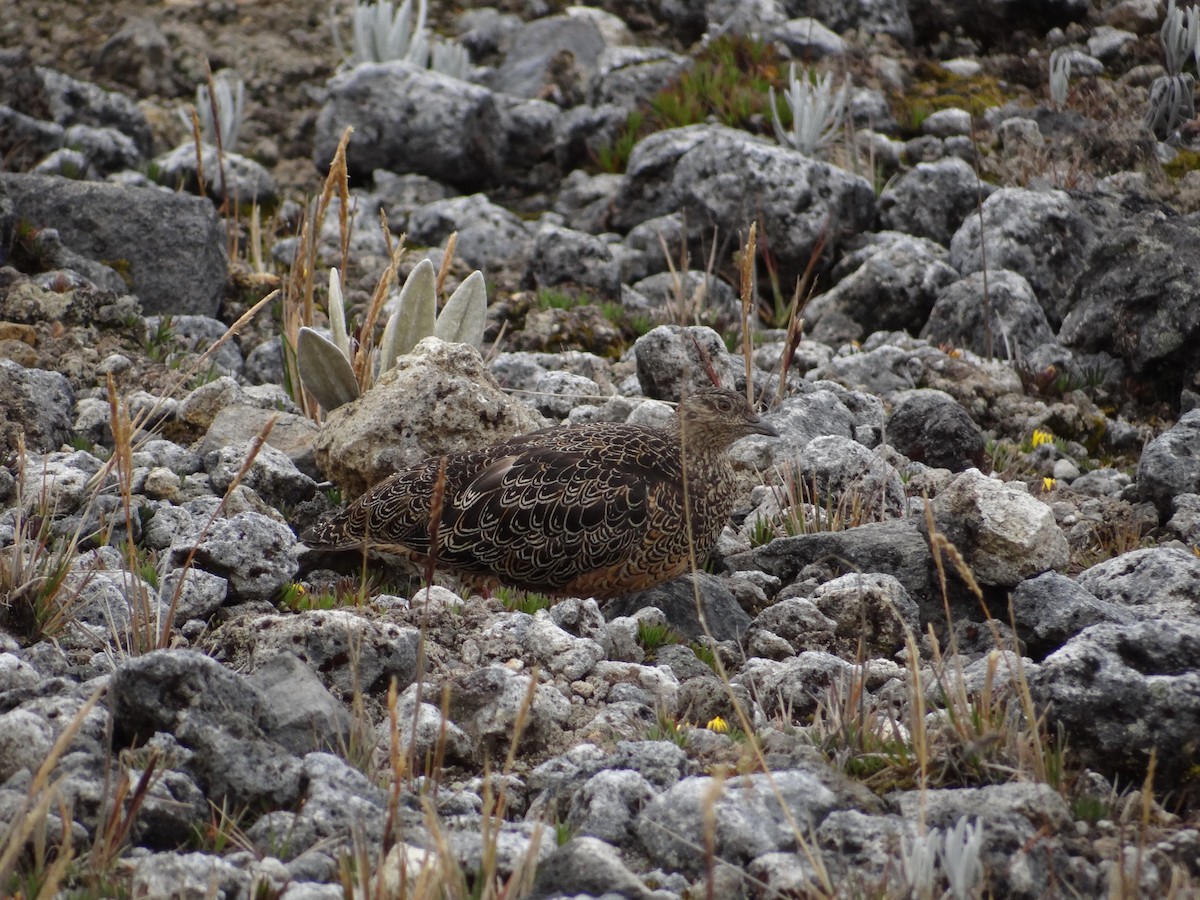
(935, 88)
(1185, 161)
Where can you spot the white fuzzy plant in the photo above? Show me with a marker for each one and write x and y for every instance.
(956, 854)
(326, 363)
(817, 110)
(1060, 77)
(1171, 96)
(229, 98)
(382, 32)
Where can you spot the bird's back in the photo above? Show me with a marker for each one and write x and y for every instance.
(588, 510)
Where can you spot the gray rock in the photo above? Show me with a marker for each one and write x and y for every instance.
(1186, 520)
(165, 689)
(607, 805)
(629, 76)
(1155, 582)
(896, 548)
(63, 481)
(1051, 609)
(424, 733)
(677, 599)
(172, 245)
(37, 403)
(1018, 323)
(711, 172)
(51, 95)
(586, 866)
(1169, 465)
(564, 256)
(788, 627)
(412, 120)
(487, 702)
(881, 370)
(255, 553)
(889, 17)
(675, 359)
(547, 52)
(139, 56)
(947, 123)
(818, 410)
(1004, 534)
(807, 38)
(557, 393)
(1010, 817)
(841, 474)
(931, 428)
(228, 176)
(1041, 235)
(272, 475)
(200, 593)
(746, 819)
(754, 18)
(539, 641)
(239, 422)
(873, 608)
(893, 284)
(1135, 298)
(1122, 691)
(105, 150)
(583, 201)
(25, 139)
(114, 602)
(337, 801)
(186, 875)
(25, 742)
(489, 236)
(671, 295)
(305, 717)
(793, 686)
(440, 398)
(323, 641)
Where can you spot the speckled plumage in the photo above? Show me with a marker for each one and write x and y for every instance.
(586, 510)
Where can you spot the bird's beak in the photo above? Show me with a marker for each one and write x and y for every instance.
(758, 426)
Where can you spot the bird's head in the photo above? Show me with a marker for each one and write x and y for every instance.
(716, 417)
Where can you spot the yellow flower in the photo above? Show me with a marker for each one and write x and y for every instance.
(1047, 484)
(1041, 437)
(718, 724)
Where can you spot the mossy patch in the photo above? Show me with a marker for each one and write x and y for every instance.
(935, 88)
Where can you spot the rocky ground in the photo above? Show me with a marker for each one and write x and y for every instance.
(949, 644)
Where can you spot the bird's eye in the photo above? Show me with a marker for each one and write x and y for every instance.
(724, 404)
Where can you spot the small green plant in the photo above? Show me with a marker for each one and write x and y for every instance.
(652, 636)
(729, 81)
(667, 729)
(550, 298)
(516, 600)
(705, 653)
(763, 531)
(160, 339)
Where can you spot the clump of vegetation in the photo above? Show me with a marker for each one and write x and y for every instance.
(935, 88)
(730, 80)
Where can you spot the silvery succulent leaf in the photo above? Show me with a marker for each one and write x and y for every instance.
(414, 317)
(324, 371)
(465, 314)
(337, 315)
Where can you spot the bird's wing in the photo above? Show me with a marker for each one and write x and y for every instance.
(549, 513)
